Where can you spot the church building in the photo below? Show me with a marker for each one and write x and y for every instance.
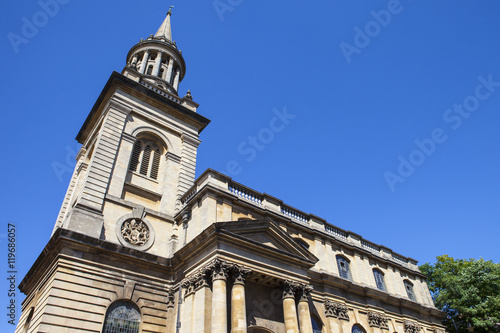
(141, 246)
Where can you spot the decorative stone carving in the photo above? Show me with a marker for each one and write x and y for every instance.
(303, 292)
(135, 231)
(170, 299)
(378, 320)
(292, 288)
(239, 274)
(194, 282)
(289, 288)
(337, 310)
(412, 327)
(186, 216)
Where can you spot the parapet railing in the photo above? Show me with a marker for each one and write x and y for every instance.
(265, 201)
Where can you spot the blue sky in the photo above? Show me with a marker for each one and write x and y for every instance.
(393, 109)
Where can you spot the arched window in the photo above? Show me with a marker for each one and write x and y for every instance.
(316, 325)
(357, 329)
(122, 317)
(145, 158)
(344, 270)
(379, 279)
(409, 290)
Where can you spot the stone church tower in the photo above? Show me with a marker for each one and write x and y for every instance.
(140, 245)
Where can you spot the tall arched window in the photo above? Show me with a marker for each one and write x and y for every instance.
(145, 158)
(357, 329)
(379, 279)
(409, 290)
(344, 270)
(316, 325)
(122, 317)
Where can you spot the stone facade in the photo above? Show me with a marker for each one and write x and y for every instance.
(140, 245)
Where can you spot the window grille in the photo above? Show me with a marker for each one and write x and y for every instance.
(344, 270)
(145, 158)
(122, 317)
(409, 290)
(379, 279)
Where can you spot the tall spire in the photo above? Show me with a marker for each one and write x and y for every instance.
(165, 30)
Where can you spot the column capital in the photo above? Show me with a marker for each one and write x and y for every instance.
(239, 274)
(289, 288)
(218, 268)
(304, 291)
(336, 310)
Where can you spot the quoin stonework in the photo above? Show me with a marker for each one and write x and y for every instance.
(140, 245)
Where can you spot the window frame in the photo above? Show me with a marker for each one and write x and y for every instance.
(345, 274)
(116, 304)
(380, 284)
(146, 165)
(410, 291)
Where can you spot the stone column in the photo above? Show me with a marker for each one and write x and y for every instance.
(156, 68)
(202, 305)
(176, 79)
(144, 62)
(169, 70)
(304, 312)
(238, 308)
(219, 303)
(134, 60)
(289, 310)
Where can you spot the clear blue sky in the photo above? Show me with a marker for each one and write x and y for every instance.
(365, 80)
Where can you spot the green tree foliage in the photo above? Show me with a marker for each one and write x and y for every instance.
(468, 291)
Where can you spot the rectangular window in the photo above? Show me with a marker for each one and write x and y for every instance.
(344, 270)
(379, 279)
(409, 290)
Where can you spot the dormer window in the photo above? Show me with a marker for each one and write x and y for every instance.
(145, 158)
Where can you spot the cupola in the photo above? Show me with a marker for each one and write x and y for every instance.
(157, 60)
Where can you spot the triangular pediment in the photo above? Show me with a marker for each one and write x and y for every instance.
(266, 234)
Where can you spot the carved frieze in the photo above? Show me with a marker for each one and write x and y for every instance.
(337, 310)
(378, 320)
